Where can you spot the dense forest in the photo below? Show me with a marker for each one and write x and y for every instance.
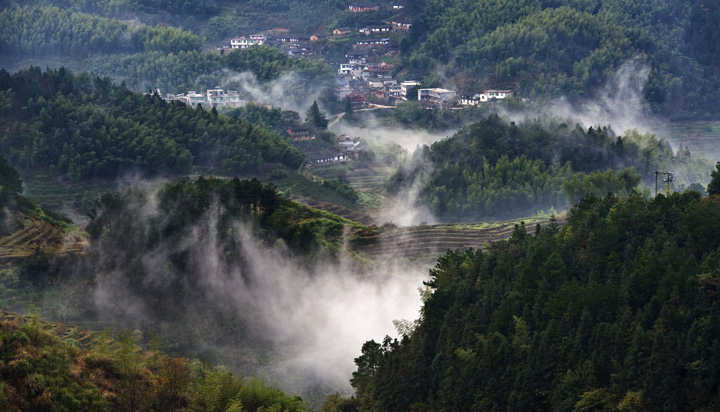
(495, 168)
(616, 310)
(545, 48)
(83, 126)
(42, 371)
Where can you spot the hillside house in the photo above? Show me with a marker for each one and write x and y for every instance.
(342, 31)
(407, 85)
(193, 98)
(356, 99)
(363, 7)
(395, 90)
(291, 38)
(398, 6)
(498, 94)
(356, 57)
(377, 29)
(341, 157)
(244, 42)
(349, 144)
(381, 69)
(436, 95)
(474, 100)
(401, 25)
(301, 133)
(222, 99)
(372, 42)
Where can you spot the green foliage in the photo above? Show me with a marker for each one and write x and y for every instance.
(168, 72)
(713, 187)
(42, 372)
(615, 311)
(499, 169)
(272, 119)
(315, 117)
(46, 30)
(83, 127)
(343, 189)
(268, 63)
(118, 8)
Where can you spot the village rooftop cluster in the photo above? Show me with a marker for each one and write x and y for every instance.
(363, 77)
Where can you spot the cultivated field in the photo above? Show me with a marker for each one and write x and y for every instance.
(426, 242)
(38, 234)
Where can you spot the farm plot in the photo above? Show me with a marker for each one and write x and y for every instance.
(82, 337)
(38, 234)
(702, 137)
(427, 242)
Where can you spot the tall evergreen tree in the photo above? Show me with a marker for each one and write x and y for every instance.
(713, 187)
(315, 117)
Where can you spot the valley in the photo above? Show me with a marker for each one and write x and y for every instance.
(331, 206)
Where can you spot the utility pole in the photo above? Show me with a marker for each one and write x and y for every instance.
(668, 180)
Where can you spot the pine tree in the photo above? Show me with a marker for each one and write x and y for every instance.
(315, 117)
(713, 187)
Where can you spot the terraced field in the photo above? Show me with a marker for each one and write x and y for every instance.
(39, 234)
(53, 194)
(425, 243)
(335, 209)
(83, 337)
(702, 137)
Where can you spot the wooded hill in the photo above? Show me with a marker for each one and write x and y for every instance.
(617, 310)
(542, 48)
(84, 127)
(496, 168)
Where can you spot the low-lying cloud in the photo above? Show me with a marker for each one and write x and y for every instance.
(311, 317)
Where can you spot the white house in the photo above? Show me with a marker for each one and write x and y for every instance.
(194, 98)
(221, 99)
(407, 85)
(473, 100)
(244, 42)
(436, 94)
(498, 94)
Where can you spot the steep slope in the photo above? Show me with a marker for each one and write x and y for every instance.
(615, 311)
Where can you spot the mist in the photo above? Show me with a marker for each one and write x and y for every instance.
(619, 104)
(308, 318)
(290, 91)
(404, 208)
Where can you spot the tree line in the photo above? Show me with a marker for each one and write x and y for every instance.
(495, 168)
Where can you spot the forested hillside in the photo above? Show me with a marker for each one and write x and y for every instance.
(615, 311)
(83, 126)
(495, 168)
(43, 371)
(551, 48)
